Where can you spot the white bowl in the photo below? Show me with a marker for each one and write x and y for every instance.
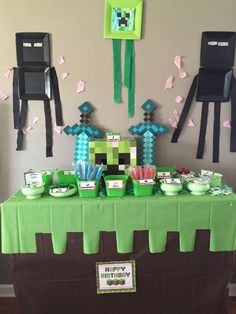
(198, 188)
(171, 189)
(32, 193)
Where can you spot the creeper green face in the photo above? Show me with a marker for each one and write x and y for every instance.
(123, 19)
(116, 157)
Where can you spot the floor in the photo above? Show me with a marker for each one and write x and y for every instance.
(8, 306)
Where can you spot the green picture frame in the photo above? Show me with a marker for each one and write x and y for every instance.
(135, 34)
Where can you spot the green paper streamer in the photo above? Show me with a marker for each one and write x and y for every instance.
(129, 75)
(117, 69)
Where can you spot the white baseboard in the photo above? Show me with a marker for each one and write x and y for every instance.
(7, 291)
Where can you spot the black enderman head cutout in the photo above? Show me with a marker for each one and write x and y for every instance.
(215, 82)
(34, 79)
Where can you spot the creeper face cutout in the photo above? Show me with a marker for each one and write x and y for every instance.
(116, 157)
(123, 19)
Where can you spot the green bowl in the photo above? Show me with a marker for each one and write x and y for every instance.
(142, 189)
(171, 189)
(87, 191)
(32, 193)
(72, 189)
(65, 177)
(198, 188)
(115, 181)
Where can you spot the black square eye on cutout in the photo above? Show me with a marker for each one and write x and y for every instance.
(217, 49)
(118, 14)
(124, 159)
(34, 83)
(33, 49)
(127, 15)
(214, 84)
(101, 159)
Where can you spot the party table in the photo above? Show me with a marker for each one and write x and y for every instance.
(183, 247)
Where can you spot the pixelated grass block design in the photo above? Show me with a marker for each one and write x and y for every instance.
(112, 151)
(123, 19)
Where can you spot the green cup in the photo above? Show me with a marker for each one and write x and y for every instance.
(216, 179)
(88, 188)
(66, 177)
(142, 189)
(116, 185)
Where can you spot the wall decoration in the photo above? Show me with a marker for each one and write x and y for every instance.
(123, 20)
(64, 75)
(35, 119)
(214, 83)
(148, 132)
(3, 96)
(227, 124)
(34, 79)
(61, 60)
(178, 62)
(80, 87)
(116, 156)
(57, 129)
(169, 82)
(83, 132)
(7, 72)
(183, 74)
(178, 99)
(173, 123)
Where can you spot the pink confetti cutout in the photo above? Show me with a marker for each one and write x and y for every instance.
(176, 114)
(178, 99)
(26, 130)
(7, 72)
(3, 96)
(169, 82)
(227, 124)
(182, 74)
(80, 87)
(173, 123)
(35, 120)
(64, 75)
(57, 129)
(178, 61)
(61, 60)
(191, 123)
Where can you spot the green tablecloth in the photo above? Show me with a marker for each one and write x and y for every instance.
(21, 219)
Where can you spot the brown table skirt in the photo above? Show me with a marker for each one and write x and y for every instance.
(167, 283)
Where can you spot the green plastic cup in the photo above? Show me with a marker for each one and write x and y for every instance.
(142, 189)
(47, 177)
(65, 177)
(116, 185)
(88, 188)
(216, 179)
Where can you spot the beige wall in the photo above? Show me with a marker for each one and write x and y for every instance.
(170, 27)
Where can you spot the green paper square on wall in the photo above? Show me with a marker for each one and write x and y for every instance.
(123, 19)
